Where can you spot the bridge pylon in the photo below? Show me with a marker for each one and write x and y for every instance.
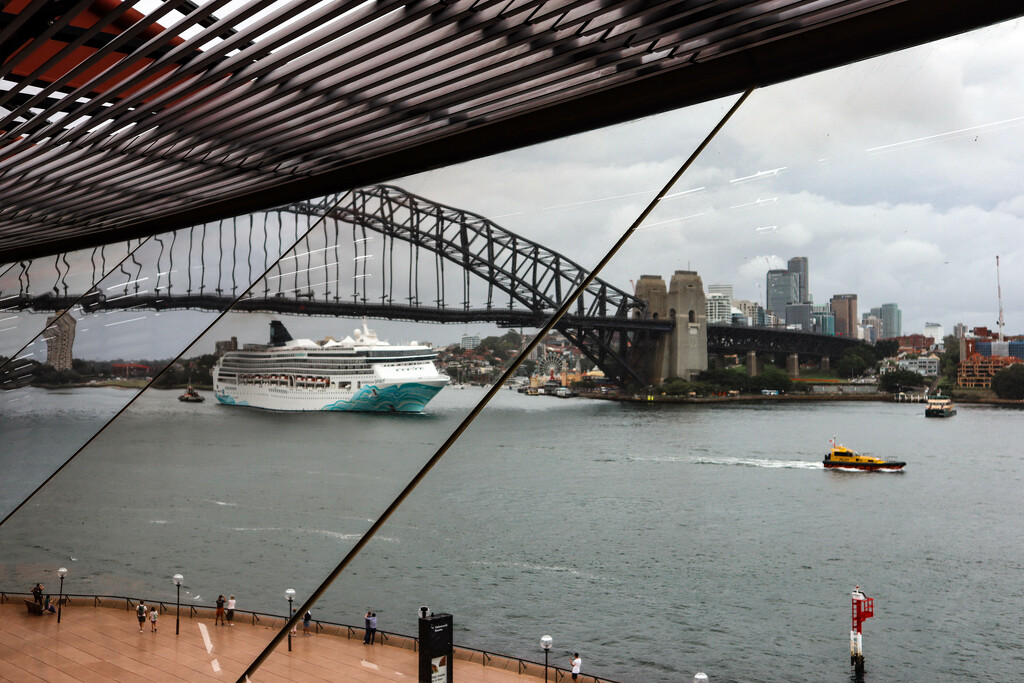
(684, 351)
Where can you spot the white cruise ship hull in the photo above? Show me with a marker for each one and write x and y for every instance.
(363, 374)
(408, 397)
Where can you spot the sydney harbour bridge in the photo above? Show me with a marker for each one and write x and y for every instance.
(378, 252)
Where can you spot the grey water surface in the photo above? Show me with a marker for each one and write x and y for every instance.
(655, 540)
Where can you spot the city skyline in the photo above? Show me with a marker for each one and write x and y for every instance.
(893, 186)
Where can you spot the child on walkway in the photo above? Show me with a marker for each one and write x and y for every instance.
(152, 618)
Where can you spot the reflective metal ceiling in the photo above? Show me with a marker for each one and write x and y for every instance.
(118, 123)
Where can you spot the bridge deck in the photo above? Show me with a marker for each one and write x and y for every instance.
(103, 644)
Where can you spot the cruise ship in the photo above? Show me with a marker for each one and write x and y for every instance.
(357, 373)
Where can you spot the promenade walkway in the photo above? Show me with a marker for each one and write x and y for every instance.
(104, 644)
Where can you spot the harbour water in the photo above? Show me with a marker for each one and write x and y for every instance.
(655, 540)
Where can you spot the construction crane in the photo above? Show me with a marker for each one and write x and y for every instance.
(999, 291)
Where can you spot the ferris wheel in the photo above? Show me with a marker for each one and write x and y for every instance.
(553, 363)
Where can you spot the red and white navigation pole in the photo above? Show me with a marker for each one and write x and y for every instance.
(862, 608)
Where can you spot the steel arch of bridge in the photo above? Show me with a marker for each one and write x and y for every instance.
(525, 282)
(533, 276)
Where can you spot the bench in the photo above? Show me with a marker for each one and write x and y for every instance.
(33, 607)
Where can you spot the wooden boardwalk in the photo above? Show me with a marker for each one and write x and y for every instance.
(104, 644)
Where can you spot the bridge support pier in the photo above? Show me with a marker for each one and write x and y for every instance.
(793, 365)
(717, 361)
(754, 366)
(826, 364)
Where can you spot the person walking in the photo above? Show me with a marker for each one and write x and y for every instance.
(153, 614)
(230, 611)
(140, 612)
(576, 664)
(219, 617)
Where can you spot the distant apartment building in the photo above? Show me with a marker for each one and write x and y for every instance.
(60, 338)
(782, 290)
(872, 327)
(725, 290)
(922, 365)
(933, 330)
(718, 308)
(751, 310)
(844, 308)
(798, 267)
(470, 341)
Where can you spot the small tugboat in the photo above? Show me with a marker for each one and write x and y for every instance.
(939, 406)
(191, 396)
(842, 457)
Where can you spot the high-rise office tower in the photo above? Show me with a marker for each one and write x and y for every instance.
(892, 321)
(844, 308)
(782, 291)
(798, 266)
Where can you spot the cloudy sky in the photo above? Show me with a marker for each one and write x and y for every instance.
(899, 178)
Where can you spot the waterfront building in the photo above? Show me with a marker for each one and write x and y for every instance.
(844, 308)
(798, 267)
(977, 371)
(60, 338)
(470, 341)
(922, 365)
(783, 289)
(892, 320)
(719, 308)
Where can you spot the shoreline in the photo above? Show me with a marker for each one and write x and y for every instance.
(643, 398)
(797, 398)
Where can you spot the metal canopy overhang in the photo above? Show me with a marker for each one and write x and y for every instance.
(367, 92)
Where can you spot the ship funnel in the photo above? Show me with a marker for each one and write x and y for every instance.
(278, 334)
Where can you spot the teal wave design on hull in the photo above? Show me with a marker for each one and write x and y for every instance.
(230, 400)
(403, 398)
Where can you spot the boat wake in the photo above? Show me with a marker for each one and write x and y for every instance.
(766, 463)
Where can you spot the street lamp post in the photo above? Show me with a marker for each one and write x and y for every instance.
(178, 578)
(62, 572)
(545, 642)
(291, 596)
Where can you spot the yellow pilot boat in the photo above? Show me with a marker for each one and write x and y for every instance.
(842, 457)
